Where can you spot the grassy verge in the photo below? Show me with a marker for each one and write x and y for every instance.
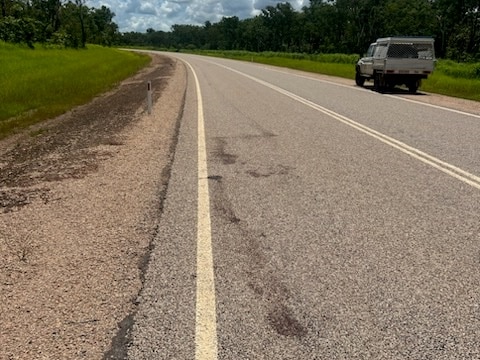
(329, 64)
(455, 79)
(443, 84)
(449, 78)
(39, 84)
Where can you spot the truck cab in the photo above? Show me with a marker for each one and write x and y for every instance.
(366, 63)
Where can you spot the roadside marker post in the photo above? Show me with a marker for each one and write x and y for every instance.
(149, 97)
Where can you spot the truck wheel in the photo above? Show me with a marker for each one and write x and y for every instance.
(377, 82)
(359, 80)
(413, 86)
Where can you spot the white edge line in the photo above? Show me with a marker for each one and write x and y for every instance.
(434, 106)
(205, 318)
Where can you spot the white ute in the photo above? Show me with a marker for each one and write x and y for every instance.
(395, 61)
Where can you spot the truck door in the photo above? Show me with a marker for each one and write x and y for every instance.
(366, 65)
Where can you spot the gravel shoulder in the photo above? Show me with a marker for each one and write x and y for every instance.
(80, 201)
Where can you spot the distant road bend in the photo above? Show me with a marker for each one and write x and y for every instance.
(308, 219)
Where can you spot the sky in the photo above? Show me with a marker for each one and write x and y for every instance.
(139, 15)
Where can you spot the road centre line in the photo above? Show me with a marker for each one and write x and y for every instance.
(205, 316)
(351, 87)
(443, 166)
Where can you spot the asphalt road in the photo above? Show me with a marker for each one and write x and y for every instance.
(331, 222)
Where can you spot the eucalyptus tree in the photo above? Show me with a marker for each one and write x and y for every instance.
(254, 34)
(324, 27)
(47, 14)
(280, 21)
(103, 30)
(186, 36)
(229, 33)
(17, 23)
(458, 28)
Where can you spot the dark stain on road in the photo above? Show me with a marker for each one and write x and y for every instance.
(215, 177)
(271, 171)
(263, 279)
(221, 153)
(285, 323)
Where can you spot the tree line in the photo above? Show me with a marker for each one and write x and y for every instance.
(55, 22)
(324, 26)
(328, 26)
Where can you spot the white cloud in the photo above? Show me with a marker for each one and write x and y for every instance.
(139, 15)
(147, 9)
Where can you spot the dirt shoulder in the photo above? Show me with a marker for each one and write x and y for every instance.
(80, 201)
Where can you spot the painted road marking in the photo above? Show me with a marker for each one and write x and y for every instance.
(206, 317)
(443, 166)
(434, 106)
(357, 88)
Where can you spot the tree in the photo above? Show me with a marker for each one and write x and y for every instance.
(211, 36)
(54, 22)
(186, 36)
(3, 5)
(408, 17)
(456, 28)
(47, 14)
(326, 26)
(280, 21)
(255, 34)
(228, 31)
(81, 16)
(363, 21)
(103, 29)
(322, 22)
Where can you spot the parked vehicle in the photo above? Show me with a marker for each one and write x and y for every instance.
(395, 61)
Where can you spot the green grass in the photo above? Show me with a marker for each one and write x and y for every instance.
(330, 64)
(39, 84)
(440, 83)
(246, 55)
(455, 79)
(449, 78)
(459, 70)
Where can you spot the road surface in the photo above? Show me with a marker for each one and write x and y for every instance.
(307, 219)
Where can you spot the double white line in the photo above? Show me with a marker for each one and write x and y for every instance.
(443, 166)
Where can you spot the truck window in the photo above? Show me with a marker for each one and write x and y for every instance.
(380, 51)
(403, 51)
(370, 50)
(425, 52)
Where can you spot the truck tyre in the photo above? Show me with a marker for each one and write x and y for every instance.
(377, 82)
(413, 86)
(359, 80)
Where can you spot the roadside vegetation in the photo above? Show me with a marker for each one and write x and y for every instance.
(341, 65)
(329, 27)
(56, 23)
(450, 78)
(39, 84)
(455, 79)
